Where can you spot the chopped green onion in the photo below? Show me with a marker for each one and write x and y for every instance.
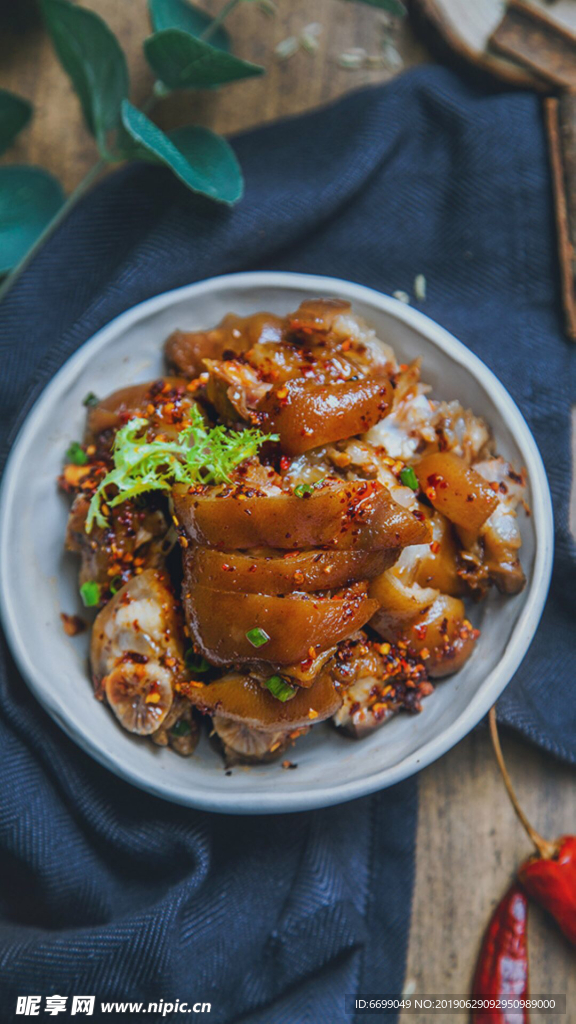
(180, 728)
(90, 593)
(301, 490)
(195, 662)
(279, 688)
(76, 454)
(257, 637)
(115, 584)
(409, 478)
(90, 400)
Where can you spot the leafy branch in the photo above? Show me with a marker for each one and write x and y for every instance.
(29, 196)
(188, 49)
(31, 201)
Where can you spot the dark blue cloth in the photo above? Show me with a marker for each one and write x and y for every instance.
(106, 890)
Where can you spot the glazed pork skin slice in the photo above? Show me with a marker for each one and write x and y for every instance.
(221, 622)
(269, 571)
(456, 490)
(306, 414)
(358, 515)
(187, 350)
(241, 698)
(164, 402)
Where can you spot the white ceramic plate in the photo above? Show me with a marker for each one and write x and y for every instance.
(38, 580)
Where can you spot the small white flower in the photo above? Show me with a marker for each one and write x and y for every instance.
(353, 59)
(268, 7)
(420, 287)
(391, 57)
(287, 48)
(309, 37)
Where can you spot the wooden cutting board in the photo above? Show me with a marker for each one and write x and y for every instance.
(463, 28)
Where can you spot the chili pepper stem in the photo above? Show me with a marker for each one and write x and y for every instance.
(546, 849)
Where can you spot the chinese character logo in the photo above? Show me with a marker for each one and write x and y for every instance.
(83, 1004)
(28, 1006)
(55, 1005)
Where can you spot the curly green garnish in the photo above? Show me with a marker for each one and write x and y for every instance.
(199, 455)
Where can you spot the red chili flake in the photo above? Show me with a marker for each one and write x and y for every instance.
(437, 481)
(435, 547)
(133, 657)
(227, 568)
(72, 624)
(285, 463)
(418, 515)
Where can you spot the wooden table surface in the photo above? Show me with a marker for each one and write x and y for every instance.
(469, 841)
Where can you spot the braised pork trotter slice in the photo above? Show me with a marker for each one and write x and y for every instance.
(269, 571)
(187, 350)
(306, 415)
(137, 652)
(229, 627)
(456, 490)
(358, 515)
(242, 698)
(164, 402)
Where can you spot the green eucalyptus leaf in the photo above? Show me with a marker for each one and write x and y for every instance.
(395, 7)
(188, 17)
(93, 59)
(15, 112)
(29, 199)
(183, 62)
(205, 162)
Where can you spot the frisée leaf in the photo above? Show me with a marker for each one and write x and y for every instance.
(199, 455)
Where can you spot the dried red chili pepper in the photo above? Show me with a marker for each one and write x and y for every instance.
(549, 875)
(502, 971)
(551, 882)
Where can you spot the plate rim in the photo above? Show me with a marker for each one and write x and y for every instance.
(496, 681)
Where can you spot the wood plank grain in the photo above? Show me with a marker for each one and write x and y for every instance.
(538, 42)
(459, 31)
(469, 846)
(560, 117)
